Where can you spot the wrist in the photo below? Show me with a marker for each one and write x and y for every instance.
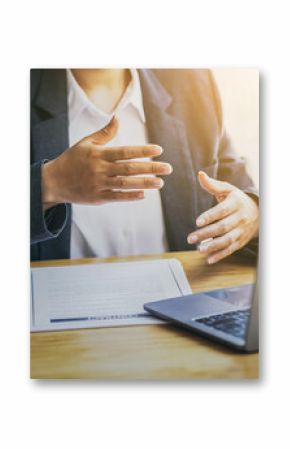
(49, 185)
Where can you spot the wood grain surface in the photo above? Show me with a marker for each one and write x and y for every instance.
(152, 352)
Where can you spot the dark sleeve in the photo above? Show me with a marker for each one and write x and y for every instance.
(232, 168)
(43, 225)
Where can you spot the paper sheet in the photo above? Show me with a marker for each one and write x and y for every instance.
(102, 295)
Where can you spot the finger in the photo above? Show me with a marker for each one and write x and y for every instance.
(132, 182)
(216, 229)
(139, 168)
(110, 195)
(121, 153)
(221, 242)
(221, 210)
(105, 134)
(219, 255)
(214, 186)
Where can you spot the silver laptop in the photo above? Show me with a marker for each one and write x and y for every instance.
(228, 315)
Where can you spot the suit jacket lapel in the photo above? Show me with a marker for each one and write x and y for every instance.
(179, 193)
(50, 136)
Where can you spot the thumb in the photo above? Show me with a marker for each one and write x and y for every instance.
(213, 186)
(105, 134)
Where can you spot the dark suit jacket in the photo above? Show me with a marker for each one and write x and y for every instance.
(183, 115)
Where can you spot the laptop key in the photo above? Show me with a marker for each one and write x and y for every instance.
(234, 323)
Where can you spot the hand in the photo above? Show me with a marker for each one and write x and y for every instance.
(89, 173)
(231, 224)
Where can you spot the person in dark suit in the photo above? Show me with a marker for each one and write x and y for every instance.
(86, 200)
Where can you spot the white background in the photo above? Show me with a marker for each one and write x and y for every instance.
(131, 33)
(239, 92)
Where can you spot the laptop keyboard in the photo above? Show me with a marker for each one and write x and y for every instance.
(234, 323)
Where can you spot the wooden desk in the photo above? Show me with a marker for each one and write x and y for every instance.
(152, 352)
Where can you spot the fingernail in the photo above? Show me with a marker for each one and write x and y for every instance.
(158, 183)
(192, 239)
(166, 169)
(200, 222)
(157, 148)
(111, 121)
(210, 260)
(205, 245)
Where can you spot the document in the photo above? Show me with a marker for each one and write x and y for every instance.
(101, 295)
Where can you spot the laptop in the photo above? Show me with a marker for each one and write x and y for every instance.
(228, 315)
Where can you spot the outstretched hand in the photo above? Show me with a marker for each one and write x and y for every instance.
(230, 225)
(91, 173)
